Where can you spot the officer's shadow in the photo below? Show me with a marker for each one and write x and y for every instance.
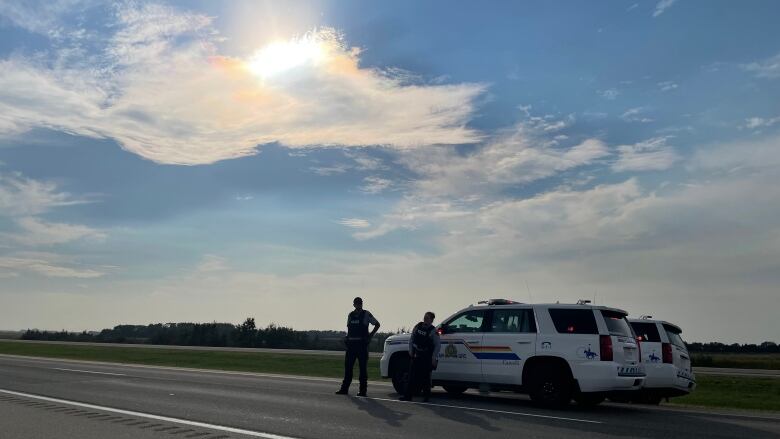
(377, 410)
(448, 409)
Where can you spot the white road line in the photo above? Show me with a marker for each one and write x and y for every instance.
(151, 416)
(88, 371)
(476, 409)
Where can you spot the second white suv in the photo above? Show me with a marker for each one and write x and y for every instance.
(666, 361)
(553, 352)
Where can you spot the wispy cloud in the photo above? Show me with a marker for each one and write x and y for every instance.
(768, 68)
(354, 223)
(753, 123)
(662, 6)
(650, 155)
(45, 264)
(20, 196)
(609, 94)
(667, 85)
(36, 232)
(327, 171)
(374, 184)
(636, 115)
(161, 89)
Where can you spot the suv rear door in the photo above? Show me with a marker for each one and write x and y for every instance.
(625, 350)
(510, 339)
(461, 337)
(680, 356)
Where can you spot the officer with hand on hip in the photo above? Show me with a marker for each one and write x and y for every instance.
(357, 341)
(424, 350)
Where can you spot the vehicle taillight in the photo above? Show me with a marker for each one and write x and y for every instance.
(639, 347)
(605, 343)
(666, 349)
(440, 331)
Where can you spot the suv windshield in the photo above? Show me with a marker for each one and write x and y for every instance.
(616, 323)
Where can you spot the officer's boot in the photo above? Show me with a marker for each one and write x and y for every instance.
(363, 388)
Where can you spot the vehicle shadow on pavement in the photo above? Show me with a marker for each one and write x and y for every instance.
(374, 408)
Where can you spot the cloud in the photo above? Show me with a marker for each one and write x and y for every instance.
(451, 184)
(354, 223)
(35, 232)
(375, 185)
(162, 90)
(753, 123)
(21, 196)
(45, 264)
(650, 155)
(212, 263)
(768, 68)
(635, 115)
(610, 93)
(662, 6)
(327, 171)
(667, 85)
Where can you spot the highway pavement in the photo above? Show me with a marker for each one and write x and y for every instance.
(45, 398)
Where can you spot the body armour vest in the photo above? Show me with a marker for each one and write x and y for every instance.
(357, 329)
(422, 338)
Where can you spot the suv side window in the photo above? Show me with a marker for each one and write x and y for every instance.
(646, 332)
(574, 321)
(469, 321)
(513, 320)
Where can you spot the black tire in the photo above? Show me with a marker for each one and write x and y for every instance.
(589, 399)
(400, 375)
(454, 390)
(551, 388)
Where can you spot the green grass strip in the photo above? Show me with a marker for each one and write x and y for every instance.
(747, 393)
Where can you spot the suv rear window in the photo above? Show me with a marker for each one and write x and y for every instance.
(674, 336)
(574, 321)
(617, 323)
(647, 331)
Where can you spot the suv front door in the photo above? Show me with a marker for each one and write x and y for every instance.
(461, 337)
(509, 341)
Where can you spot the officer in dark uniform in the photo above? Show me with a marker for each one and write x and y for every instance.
(424, 348)
(357, 341)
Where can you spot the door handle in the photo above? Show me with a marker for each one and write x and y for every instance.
(523, 342)
(473, 341)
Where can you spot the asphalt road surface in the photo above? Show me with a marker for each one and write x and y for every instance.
(43, 398)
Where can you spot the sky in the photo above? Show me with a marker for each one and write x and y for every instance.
(211, 161)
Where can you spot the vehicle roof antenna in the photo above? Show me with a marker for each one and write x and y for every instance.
(530, 300)
(595, 294)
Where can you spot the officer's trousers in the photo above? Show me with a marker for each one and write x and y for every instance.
(356, 350)
(420, 375)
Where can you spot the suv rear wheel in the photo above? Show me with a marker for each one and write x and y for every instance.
(552, 388)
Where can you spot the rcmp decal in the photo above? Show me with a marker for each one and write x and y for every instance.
(653, 358)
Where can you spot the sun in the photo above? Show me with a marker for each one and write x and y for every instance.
(282, 56)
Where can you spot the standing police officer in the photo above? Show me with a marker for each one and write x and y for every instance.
(357, 341)
(424, 350)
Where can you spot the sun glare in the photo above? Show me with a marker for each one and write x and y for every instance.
(282, 56)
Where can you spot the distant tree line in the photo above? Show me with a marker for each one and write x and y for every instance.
(767, 347)
(209, 334)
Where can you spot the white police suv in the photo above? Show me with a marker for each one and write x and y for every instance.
(553, 352)
(666, 361)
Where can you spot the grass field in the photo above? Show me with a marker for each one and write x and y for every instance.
(743, 361)
(723, 392)
(734, 392)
